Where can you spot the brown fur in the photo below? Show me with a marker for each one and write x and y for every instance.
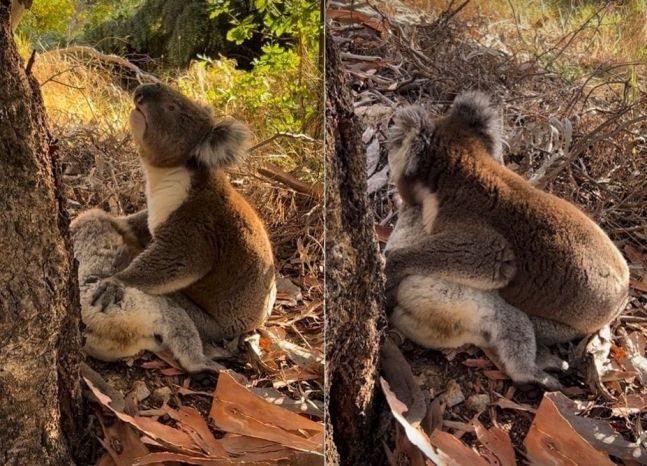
(199, 235)
(483, 227)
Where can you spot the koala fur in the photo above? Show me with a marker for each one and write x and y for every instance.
(103, 245)
(199, 235)
(480, 256)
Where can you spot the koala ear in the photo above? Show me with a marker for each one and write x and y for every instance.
(408, 137)
(474, 110)
(227, 143)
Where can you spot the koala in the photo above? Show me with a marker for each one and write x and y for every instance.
(103, 245)
(480, 256)
(198, 234)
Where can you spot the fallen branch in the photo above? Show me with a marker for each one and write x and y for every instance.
(108, 58)
(275, 173)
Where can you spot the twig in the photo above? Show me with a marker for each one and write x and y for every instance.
(30, 62)
(590, 139)
(281, 134)
(273, 172)
(109, 58)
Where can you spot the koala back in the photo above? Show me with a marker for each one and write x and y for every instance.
(567, 268)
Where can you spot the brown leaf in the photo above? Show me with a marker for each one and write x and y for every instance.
(190, 421)
(597, 432)
(351, 16)
(122, 443)
(153, 458)
(552, 440)
(497, 441)
(162, 433)
(455, 452)
(235, 409)
(630, 404)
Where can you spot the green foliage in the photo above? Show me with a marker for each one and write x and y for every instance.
(48, 21)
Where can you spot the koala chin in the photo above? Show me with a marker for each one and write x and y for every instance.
(198, 235)
(481, 256)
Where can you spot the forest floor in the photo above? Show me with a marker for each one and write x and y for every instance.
(273, 373)
(575, 125)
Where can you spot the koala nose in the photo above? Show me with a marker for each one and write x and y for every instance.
(144, 92)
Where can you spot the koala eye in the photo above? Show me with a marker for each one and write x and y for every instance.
(171, 107)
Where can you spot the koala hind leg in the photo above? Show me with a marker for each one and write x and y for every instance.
(437, 313)
(550, 332)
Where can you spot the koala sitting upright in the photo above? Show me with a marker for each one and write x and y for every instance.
(198, 235)
(104, 245)
(480, 256)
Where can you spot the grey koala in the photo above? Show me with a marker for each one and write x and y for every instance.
(103, 245)
(480, 256)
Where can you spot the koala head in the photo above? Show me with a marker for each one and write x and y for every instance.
(420, 144)
(171, 130)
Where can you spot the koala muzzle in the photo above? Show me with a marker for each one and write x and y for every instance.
(145, 92)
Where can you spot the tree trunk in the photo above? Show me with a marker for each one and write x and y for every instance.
(39, 312)
(355, 318)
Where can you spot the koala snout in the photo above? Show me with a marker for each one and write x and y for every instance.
(144, 92)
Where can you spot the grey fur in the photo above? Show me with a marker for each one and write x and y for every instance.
(473, 108)
(139, 321)
(226, 144)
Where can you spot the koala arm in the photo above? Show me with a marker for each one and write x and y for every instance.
(165, 266)
(475, 256)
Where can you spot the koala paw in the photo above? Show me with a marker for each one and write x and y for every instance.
(109, 292)
(504, 266)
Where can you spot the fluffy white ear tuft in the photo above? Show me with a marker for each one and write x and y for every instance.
(473, 109)
(227, 144)
(408, 137)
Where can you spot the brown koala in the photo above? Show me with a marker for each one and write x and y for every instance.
(481, 256)
(104, 245)
(199, 235)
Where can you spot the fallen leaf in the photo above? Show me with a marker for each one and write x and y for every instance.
(598, 433)
(497, 441)
(415, 436)
(235, 409)
(455, 452)
(552, 440)
(479, 363)
(153, 458)
(351, 16)
(122, 443)
(495, 374)
(162, 433)
(191, 421)
(630, 404)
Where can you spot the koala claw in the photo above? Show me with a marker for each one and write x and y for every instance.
(108, 292)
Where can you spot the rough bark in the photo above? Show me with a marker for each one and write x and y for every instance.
(354, 285)
(39, 313)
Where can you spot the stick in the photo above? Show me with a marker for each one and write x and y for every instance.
(273, 172)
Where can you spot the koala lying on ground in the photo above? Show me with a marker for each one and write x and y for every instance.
(480, 256)
(198, 235)
(104, 245)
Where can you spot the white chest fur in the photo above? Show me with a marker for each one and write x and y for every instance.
(166, 190)
(429, 202)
